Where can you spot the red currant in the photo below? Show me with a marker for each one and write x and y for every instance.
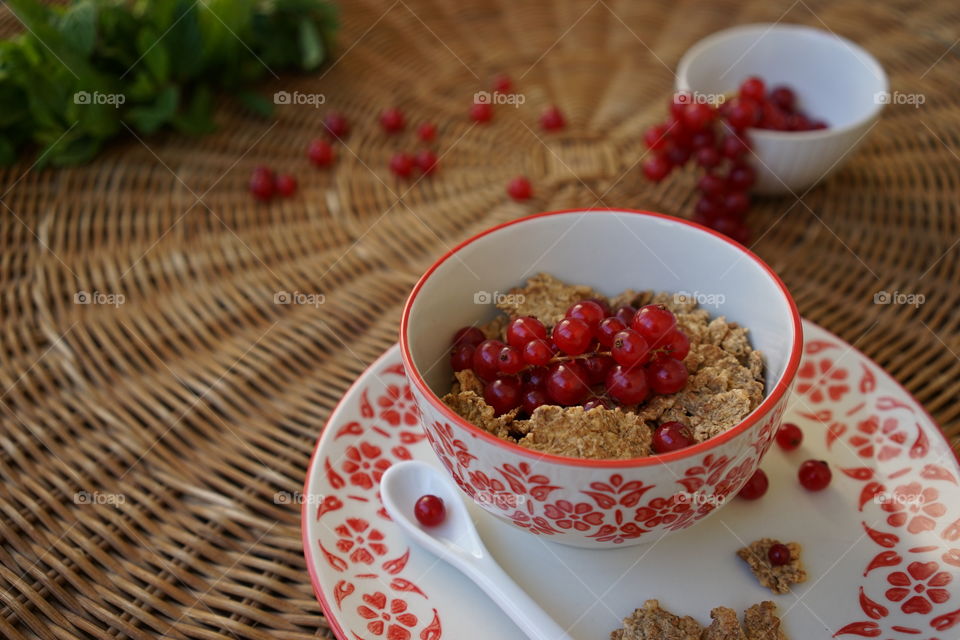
(741, 177)
(392, 120)
(655, 137)
(736, 203)
(567, 383)
(481, 112)
(789, 436)
(629, 348)
(743, 112)
(753, 88)
(596, 368)
(532, 398)
(537, 352)
(676, 344)
(502, 83)
(677, 154)
(625, 314)
(756, 486)
(427, 131)
(708, 157)
(572, 336)
(552, 119)
(779, 554)
(701, 139)
(627, 385)
(503, 394)
(679, 102)
(519, 188)
(814, 475)
(261, 183)
(426, 160)
(535, 378)
(286, 185)
(712, 185)
(462, 357)
(522, 330)
(652, 322)
(667, 376)
(589, 311)
(320, 153)
(401, 164)
(430, 510)
(486, 359)
(511, 361)
(783, 97)
(656, 167)
(671, 436)
(468, 336)
(697, 116)
(336, 124)
(797, 122)
(608, 328)
(734, 146)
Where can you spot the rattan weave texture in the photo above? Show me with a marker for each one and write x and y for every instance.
(198, 400)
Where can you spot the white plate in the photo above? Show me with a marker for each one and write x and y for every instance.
(881, 544)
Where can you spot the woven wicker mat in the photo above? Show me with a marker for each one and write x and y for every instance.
(199, 399)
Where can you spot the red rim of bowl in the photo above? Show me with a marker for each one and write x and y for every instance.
(761, 411)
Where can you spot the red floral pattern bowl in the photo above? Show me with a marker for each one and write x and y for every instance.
(598, 503)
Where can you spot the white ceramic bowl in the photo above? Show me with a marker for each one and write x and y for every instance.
(598, 503)
(835, 80)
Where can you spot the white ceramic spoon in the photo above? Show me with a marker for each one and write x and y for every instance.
(456, 541)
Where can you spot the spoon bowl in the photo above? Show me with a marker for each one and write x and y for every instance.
(456, 540)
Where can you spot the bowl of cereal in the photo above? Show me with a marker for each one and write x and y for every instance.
(600, 378)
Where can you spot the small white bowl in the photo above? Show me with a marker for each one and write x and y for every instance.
(834, 79)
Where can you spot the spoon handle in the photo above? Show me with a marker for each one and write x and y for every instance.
(514, 601)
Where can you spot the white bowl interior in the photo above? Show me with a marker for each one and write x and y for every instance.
(612, 252)
(835, 80)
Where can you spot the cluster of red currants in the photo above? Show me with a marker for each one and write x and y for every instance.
(264, 184)
(693, 131)
(594, 357)
(403, 163)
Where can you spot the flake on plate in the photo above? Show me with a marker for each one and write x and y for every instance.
(650, 622)
(777, 579)
(725, 626)
(762, 623)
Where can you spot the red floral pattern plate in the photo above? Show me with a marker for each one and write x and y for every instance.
(881, 544)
